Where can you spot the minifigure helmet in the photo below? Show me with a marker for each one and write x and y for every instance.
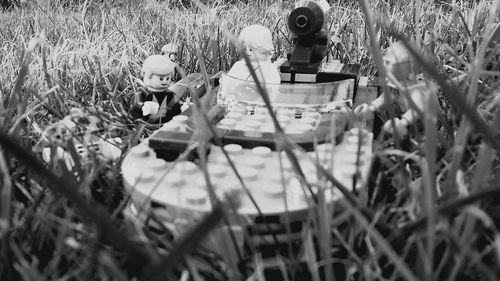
(400, 63)
(170, 50)
(257, 37)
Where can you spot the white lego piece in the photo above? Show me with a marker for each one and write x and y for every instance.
(233, 148)
(186, 167)
(195, 196)
(182, 119)
(170, 126)
(157, 165)
(183, 191)
(262, 151)
(174, 180)
(140, 151)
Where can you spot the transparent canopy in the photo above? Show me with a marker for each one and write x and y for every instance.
(322, 97)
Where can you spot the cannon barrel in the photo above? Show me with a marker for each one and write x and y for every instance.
(306, 19)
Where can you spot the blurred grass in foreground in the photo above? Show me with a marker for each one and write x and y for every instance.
(438, 193)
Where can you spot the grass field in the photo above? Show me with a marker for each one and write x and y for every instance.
(434, 200)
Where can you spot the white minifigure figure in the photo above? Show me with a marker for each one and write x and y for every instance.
(401, 74)
(258, 43)
(171, 50)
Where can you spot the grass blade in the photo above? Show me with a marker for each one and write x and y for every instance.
(5, 195)
(184, 246)
(456, 97)
(450, 208)
(68, 189)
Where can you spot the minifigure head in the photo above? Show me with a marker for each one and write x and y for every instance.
(170, 50)
(400, 63)
(258, 42)
(157, 72)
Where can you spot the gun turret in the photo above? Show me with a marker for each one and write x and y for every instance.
(307, 19)
(306, 62)
(310, 42)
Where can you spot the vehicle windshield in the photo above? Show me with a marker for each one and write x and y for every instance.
(318, 96)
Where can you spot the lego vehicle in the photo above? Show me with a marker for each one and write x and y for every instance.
(165, 173)
(273, 201)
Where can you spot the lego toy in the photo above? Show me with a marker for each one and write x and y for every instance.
(162, 174)
(310, 113)
(84, 133)
(287, 100)
(155, 101)
(180, 186)
(171, 50)
(258, 43)
(402, 78)
(306, 61)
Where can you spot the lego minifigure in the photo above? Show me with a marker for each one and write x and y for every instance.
(155, 102)
(171, 50)
(401, 74)
(258, 43)
(86, 133)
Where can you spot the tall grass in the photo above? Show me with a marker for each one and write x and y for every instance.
(430, 211)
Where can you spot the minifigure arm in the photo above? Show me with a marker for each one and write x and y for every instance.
(401, 124)
(180, 70)
(409, 117)
(135, 111)
(424, 99)
(239, 70)
(274, 75)
(366, 110)
(137, 103)
(377, 103)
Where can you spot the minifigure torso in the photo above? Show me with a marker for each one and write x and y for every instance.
(155, 102)
(167, 109)
(258, 46)
(266, 71)
(411, 97)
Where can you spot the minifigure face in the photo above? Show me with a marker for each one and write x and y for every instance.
(258, 42)
(170, 50)
(399, 63)
(171, 55)
(158, 81)
(389, 62)
(255, 55)
(402, 70)
(157, 72)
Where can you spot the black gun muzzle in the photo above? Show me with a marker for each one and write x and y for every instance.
(306, 20)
